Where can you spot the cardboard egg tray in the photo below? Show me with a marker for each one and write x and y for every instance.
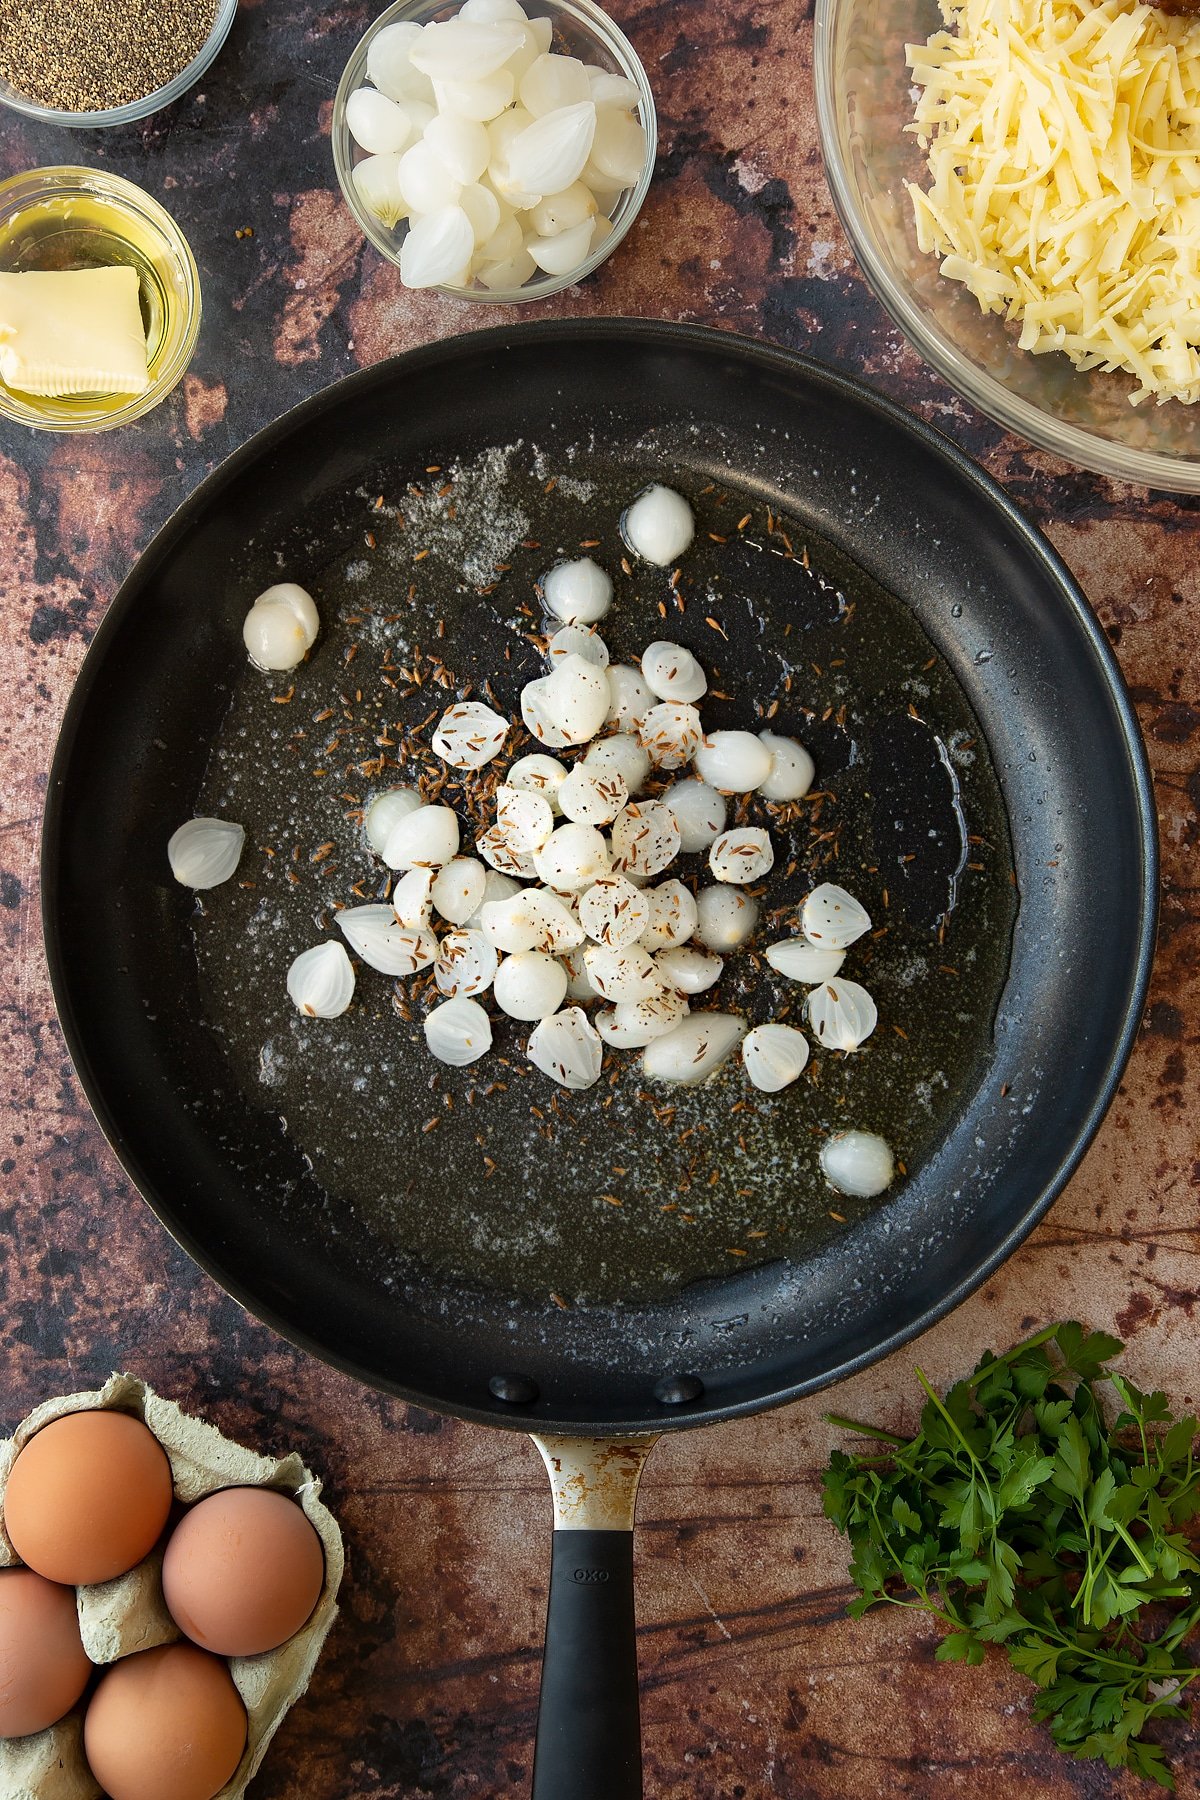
(117, 1618)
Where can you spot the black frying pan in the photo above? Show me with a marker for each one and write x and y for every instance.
(208, 1154)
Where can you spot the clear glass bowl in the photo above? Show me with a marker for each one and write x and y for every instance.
(136, 109)
(580, 29)
(864, 101)
(68, 218)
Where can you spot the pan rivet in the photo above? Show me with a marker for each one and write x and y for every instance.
(677, 1390)
(516, 1390)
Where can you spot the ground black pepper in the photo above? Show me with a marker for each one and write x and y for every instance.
(89, 55)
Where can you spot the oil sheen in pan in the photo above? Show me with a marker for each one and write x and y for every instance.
(491, 1173)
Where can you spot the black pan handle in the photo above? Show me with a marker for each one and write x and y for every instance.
(589, 1732)
(589, 1736)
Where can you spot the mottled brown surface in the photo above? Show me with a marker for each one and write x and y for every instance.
(754, 1682)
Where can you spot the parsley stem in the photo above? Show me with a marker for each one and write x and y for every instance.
(869, 1431)
(926, 1384)
(1143, 1565)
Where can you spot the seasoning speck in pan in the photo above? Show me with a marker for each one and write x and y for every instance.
(709, 1166)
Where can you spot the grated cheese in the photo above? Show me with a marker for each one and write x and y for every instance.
(1063, 146)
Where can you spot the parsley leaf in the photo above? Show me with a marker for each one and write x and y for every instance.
(1019, 1516)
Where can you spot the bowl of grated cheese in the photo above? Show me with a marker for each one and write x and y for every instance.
(1020, 182)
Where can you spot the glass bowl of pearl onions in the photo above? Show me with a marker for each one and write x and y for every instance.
(497, 150)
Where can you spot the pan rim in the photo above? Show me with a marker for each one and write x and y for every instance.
(662, 335)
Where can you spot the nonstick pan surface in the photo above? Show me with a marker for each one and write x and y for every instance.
(915, 516)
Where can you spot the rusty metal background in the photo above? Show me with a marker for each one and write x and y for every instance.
(755, 1684)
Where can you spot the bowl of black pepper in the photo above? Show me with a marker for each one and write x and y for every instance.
(89, 63)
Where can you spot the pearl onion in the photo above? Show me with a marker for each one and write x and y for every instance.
(632, 1024)
(774, 1056)
(577, 640)
(842, 1014)
(458, 889)
(321, 981)
(458, 1032)
(659, 525)
(527, 817)
(645, 839)
(428, 836)
(205, 852)
(671, 733)
(792, 768)
(496, 887)
(695, 1049)
(741, 856)
(734, 761)
(630, 698)
(592, 796)
(689, 970)
(412, 899)
(857, 1163)
(466, 965)
(577, 592)
(671, 916)
(620, 755)
(566, 1048)
(613, 912)
(386, 811)
(724, 918)
(627, 974)
(572, 699)
(377, 125)
(833, 918)
(538, 774)
(530, 985)
(699, 812)
(572, 858)
(281, 627)
(469, 735)
(376, 934)
(672, 672)
(802, 961)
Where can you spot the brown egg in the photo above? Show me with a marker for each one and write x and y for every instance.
(43, 1668)
(166, 1724)
(243, 1570)
(88, 1497)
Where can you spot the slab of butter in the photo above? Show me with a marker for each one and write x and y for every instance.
(72, 331)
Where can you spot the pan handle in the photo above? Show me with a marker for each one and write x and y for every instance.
(589, 1736)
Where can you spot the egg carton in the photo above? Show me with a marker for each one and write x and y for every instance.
(118, 1618)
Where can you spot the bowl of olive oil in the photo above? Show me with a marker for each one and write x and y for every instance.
(72, 218)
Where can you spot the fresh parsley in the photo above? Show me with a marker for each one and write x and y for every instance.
(1019, 1516)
